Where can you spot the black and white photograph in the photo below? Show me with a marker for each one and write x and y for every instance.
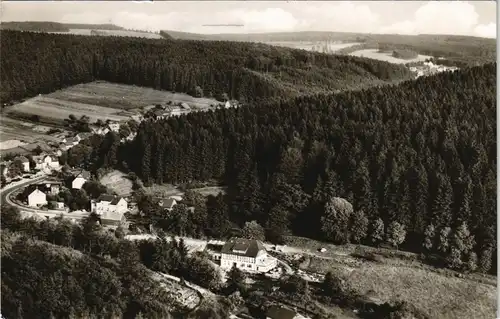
(248, 159)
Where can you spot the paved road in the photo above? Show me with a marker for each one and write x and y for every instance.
(28, 211)
(9, 189)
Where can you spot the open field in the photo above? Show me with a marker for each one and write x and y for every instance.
(117, 182)
(60, 109)
(125, 97)
(98, 100)
(386, 56)
(19, 137)
(437, 295)
(167, 190)
(437, 292)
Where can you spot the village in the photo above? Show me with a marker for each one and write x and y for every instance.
(40, 186)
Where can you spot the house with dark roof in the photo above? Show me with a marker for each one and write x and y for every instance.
(109, 207)
(80, 179)
(247, 255)
(279, 312)
(168, 203)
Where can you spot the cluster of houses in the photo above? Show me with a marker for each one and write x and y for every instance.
(41, 162)
(165, 111)
(429, 68)
(110, 208)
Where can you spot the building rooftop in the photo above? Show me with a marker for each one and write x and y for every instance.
(85, 174)
(23, 159)
(169, 203)
(105, 198)
(242, 247)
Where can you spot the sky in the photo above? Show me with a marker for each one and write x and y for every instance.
(475, 18)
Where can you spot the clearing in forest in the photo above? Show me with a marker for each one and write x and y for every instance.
(118, 182)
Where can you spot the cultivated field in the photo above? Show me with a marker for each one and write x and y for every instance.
(386, 56)
(60, 109)
(98, 100)
(117, 182)
(17, 136)
(125, 97)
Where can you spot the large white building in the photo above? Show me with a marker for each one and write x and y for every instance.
(246, 254)
(109, 207)
(37, 198)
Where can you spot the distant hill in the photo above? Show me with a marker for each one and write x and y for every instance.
(47, 26)
(243, 71)
(461, 50)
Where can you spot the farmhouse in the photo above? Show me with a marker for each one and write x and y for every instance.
(115, 127)
(51, 162)
(109, 207)
(246, 254)
(80, 179)
(37, 198)
(185, 106)
(49, 187)
(4, 168)
(168, 204)
(100, 130)
(25, 162)
(278, 312)
(176, 111)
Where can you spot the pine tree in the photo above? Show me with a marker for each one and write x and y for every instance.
(441, 206)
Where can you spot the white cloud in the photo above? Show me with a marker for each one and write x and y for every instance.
(439, 17)
(434, 17)
(339, 16)
(486, 30)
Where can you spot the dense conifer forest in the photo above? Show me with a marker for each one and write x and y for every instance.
(34, 63)
(422, 154)
(47, 26)
(416, 160)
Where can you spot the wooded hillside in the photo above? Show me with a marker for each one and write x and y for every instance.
(34, 63)
(422, 153)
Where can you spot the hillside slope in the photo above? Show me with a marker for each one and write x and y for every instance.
(34, 63)
(464, 50)
(47, 26)
(420, 153)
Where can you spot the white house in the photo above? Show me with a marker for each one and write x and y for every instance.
(246, 254)
(25, 161)
(37, 198)
(80, 179)
(115, 127)
(4, 168)
(51, 162)
(109, 207)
